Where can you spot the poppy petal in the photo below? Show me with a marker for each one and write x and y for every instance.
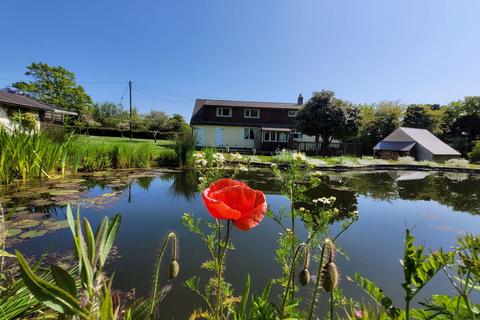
(255, 216)
(218, 209)
(226, 182)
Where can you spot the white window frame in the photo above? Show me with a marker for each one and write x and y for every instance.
(247, 113)
(219, 112)
(276, 136)
(292, 113)
(250, 130)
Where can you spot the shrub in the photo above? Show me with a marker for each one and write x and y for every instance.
(474, 155)
(286, 156)
(457, 163)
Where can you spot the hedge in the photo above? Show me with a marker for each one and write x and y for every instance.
(114, 132)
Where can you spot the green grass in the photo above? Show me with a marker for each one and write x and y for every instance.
(112, 140)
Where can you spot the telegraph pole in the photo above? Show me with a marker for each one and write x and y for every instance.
(130, 93)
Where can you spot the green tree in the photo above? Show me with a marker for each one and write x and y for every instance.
(377, 121)
(327, 117)
(156, 120)
(418, 116)
(177, 123)
(109, 114)
(56, 86)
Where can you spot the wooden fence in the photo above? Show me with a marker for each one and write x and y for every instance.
(333, 149)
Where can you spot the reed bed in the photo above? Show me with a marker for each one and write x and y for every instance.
(26, 155)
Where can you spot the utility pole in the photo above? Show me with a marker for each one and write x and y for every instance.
(130, 93)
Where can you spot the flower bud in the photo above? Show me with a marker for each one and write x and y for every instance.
(304, 277)
(174, 269)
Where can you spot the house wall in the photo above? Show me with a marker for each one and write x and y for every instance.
(232, 136)
(9, 124)
(4, 120)
(444, 157)
(422, 154)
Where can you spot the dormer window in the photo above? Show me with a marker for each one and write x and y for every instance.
(251, 113)
(292, 113)
(224, 112)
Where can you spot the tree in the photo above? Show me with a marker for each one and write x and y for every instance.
(327, 117)
(156, 120)
(109, 114)
(462, 123)
(177, 123)
(418, 116)
(56, 86)
(377, 121)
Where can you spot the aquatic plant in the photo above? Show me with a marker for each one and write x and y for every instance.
(89, 294)
(185, 146)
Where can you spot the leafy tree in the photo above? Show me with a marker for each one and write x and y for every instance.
(56, 86)
(462, 123)
(109, 114)
(177, 123)
(377, 122)
(327, 117)
(156, 120)
(417, 116)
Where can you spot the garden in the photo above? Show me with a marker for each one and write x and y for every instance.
(217, 241)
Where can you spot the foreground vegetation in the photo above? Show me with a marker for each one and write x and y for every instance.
(84, 291)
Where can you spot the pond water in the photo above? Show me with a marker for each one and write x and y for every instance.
(437, 206)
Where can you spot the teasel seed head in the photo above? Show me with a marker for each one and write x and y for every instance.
(329, 277)
(173, 269)
(304, 277)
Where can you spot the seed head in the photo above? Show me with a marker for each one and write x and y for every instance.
(329, 277)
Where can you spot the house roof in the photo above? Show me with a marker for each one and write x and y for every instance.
(200, 103)
(421, 136)
(17, 100)
(395, 145)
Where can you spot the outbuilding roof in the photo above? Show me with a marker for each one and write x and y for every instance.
(395, 145)
(421, 136)
(18, 100)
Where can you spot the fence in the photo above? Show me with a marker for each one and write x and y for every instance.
(333, 149)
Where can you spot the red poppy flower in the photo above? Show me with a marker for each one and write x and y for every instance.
(234, 200)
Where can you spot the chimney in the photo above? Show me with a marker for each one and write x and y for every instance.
(300, 99)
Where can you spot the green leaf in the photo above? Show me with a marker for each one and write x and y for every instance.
(243, 303)
(90, 239)
(64, 280)
(50, 295)
(4, 253)
(113, 227)
(193, 283)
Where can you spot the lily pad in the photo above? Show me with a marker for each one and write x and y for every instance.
(27, 223)
(63, 192)
(56, 225)
(41, 202)
(33, 234)
(20, 209)
(13, 232)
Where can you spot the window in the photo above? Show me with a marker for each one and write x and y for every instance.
(292, 113)
(273, 136)
(296, 135)
(248, 134)
(224, 112)
(252, 113)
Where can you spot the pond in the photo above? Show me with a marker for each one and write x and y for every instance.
(437, 206)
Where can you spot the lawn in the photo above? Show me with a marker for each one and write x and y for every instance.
(120, 140)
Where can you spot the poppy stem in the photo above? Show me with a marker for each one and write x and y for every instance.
(221, 254)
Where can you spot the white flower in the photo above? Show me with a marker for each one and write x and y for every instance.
(297, 156)
(243, 168)
(302, 209)
(236, 156)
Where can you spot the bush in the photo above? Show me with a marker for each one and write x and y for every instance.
(457, 163)
(286, 156)
(114, 132)
(474, 155)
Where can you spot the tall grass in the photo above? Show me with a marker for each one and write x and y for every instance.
(37, 154)
(184, 147)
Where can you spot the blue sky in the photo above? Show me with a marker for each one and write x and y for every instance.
(414, 51)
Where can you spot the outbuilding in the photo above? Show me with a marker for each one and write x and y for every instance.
(418, 143)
